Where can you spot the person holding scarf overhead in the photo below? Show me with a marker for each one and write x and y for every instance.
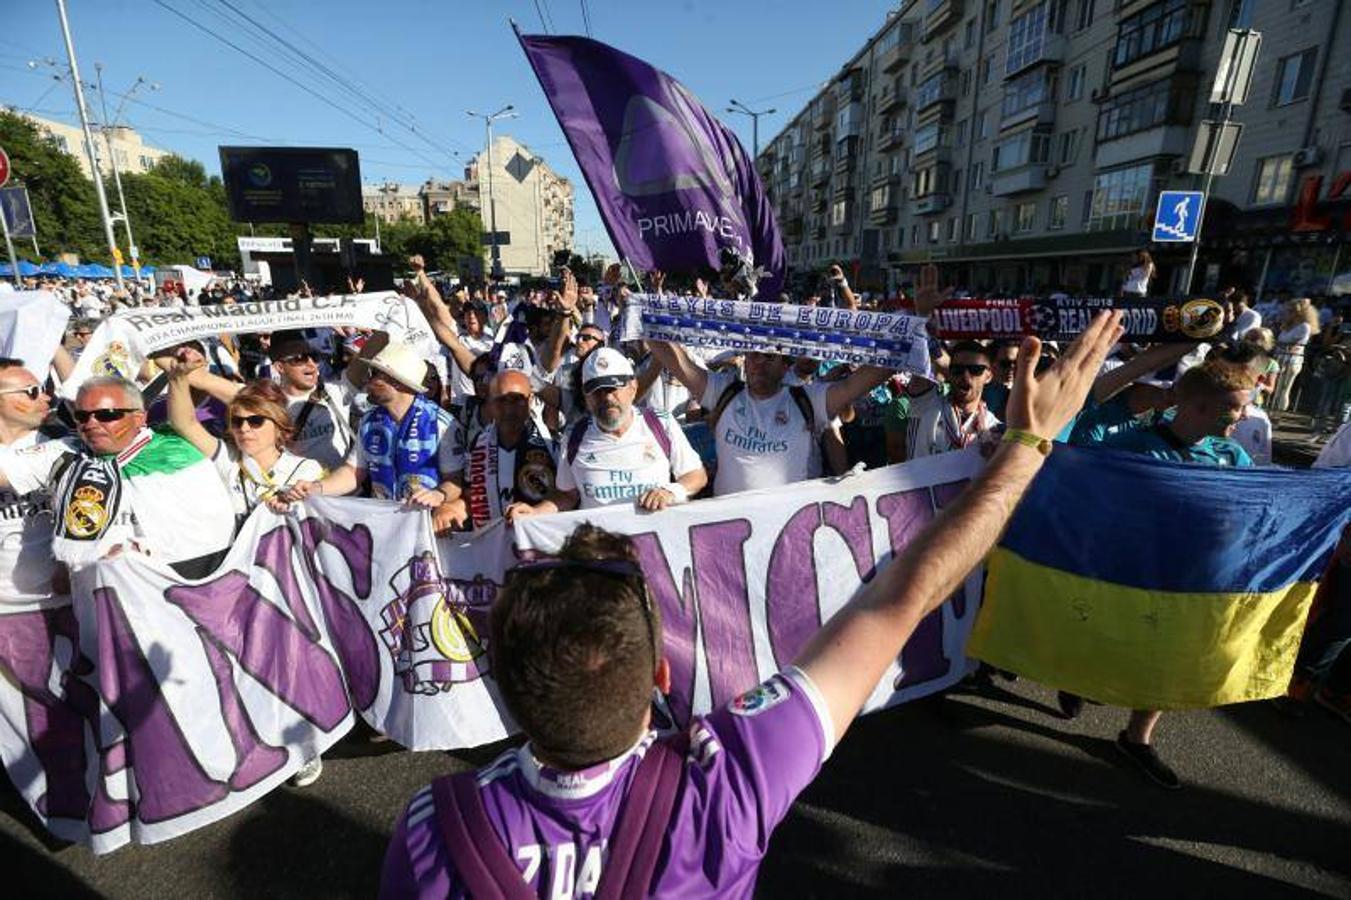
(122, 486)
(407, 447)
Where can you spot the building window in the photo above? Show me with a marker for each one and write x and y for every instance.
(1162, 102)
(1293, 77)
(1027, 91)
(1152, 29)
(1240, 14)
(1084, 17)
(914, 235)
(930, 137)
(837, 212)
(970, 33)
(1087, 209)
(1020, 150)
(1074, 90)
(930, 91)
(1120, 198)
(996, 222)
(992, 15)
(1274, 177)
(1027, 216)
(961, 133)
(952, 230)
(972, 226)
(935, 228)
(956, 181)
(880, 198)
(982, 129)
(1058, 212)
(965, 83)
(1069, 147)
(978, 176)
(1027, 37)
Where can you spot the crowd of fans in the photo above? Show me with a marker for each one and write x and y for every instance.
(535, 405)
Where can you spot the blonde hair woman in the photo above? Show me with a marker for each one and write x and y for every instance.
(1266, 380)
(1298, 325)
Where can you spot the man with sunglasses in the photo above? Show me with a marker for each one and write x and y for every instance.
(125, 487)
(26, 563)
(321, 409)
(942, 422)
(596, 803)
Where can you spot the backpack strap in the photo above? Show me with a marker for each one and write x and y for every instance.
(804, 405)
(659, 432)
(727, 396)
(640, 831)
(482, 862)
(575, 437)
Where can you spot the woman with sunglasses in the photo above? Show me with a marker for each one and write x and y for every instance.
(253, 463)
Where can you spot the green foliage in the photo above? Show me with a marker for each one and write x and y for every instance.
(178, 213)
(442, 243)
(65, 208)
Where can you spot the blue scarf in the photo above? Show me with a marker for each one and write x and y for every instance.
(401, 456)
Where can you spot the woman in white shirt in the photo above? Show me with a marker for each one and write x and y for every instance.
(1298, 324)
(1139, 276)
(254, 463)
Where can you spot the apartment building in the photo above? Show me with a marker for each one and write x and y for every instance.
(133, 154)
(1021, 145)
(391, 202)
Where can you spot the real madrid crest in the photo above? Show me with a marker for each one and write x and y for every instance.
(86, 513)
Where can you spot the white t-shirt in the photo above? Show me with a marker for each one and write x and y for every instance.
(1137, 281)
(765, 443)
(461, 385)
(1254, 435)
(667, 393)
(249, 485)
(621, 468)
(1294, 338)
(172, 514)
(1245, 321)
(1336, 453)
(26, 562)
(327, 435)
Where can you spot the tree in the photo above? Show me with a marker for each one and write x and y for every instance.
(444, 240)
(65, 208)
(178, 212)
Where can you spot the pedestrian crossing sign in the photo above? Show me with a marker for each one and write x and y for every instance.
(1177, 216)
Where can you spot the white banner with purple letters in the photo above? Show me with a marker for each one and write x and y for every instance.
(154, 705)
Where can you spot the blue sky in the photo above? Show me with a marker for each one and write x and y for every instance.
(424, 63)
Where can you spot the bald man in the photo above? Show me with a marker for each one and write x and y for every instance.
(513, 460)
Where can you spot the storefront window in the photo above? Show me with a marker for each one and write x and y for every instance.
(1120, 198)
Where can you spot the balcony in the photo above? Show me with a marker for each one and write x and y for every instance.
(1051, 49)
(1026, 178)
(793, 227)
(843, 184)
(847, 226)
(846, 155)
(934, 91)
(820, 173)
(1166, 140)
(818, 204)
(940, 15)
(930, 204)
(894, 59)
(891, 140)
(849, 89)
(823, 113)
(849, 120)
(882, 178)
(1042, 113)
(891, 97)
(884, 215)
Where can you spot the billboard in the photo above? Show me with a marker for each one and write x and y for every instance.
(292, 184)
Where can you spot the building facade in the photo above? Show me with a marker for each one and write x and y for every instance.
(390, 202)
(534, 205)
(1021, 144)
(132, 153)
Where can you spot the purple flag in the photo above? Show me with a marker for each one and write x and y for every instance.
(674, 185)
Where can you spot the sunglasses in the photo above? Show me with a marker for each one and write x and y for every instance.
(252, 421)
(621, 569)
(82, 416)
(32, 391)
(968, 368)
(301, 358)
(589, 337)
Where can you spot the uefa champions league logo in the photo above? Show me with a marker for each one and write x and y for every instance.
(428, 631)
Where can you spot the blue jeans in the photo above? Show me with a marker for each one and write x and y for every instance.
(1325, 653)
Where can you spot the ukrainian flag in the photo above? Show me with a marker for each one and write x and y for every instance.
(1159, 585)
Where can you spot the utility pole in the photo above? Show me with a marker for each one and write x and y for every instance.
(89, 144)
(108, 126)
(739, 107)
(503, 113)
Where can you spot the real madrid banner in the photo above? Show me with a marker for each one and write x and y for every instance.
(893, 340)
(1064, 318)
(123, 341)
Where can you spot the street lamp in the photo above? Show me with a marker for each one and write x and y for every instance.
(505, 112)
(739, 107)
(108, 126)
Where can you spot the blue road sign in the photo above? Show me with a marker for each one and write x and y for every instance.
(204, 263)
(1177, 216)
(17, 212)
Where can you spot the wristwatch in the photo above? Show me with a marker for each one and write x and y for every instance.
(1027, 439)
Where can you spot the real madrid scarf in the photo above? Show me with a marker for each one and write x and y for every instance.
(532, 477)
(89, 494)
(401, 456)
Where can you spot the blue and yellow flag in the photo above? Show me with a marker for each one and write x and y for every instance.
(1158, 585)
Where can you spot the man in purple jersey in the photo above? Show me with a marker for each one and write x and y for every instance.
(575, 653)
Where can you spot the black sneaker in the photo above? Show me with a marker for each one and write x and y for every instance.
(1070, 704)
(1143, 755)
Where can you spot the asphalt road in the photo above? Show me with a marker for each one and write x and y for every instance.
(961, 796)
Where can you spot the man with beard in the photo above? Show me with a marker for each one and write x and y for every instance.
(619, 453)
(940, 423)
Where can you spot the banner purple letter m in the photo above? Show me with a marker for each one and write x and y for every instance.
(673, 184)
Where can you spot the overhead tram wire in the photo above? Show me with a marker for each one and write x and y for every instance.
(549, 14)
(586, 18)
(306, 88)
(540, 11)
(358, 92)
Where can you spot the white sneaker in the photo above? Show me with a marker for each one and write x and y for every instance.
(309, 773)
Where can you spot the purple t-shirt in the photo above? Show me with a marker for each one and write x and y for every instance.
(746, 764)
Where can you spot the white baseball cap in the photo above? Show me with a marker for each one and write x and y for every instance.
(605, 368)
